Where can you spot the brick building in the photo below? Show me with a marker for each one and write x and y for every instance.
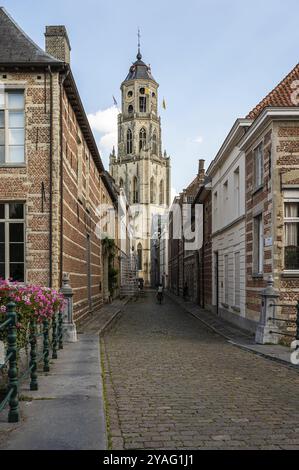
(183, 261)
(51, 180)
(271, 147)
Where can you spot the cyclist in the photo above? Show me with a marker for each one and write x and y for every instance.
(160, 293)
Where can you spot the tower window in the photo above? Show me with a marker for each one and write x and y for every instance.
(152, 190)
(135, 191)
(129, 141)
(161, 192)
(139, 256)
(142, 104)
(153, 95)
(121, 183)
(142, 91)
(155, 143)
(130, 109)
(142, 139)
(130, 94)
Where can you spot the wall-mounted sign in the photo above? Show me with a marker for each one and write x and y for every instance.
(268, 241)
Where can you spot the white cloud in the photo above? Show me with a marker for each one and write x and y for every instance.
(105, 122)
(198, 139)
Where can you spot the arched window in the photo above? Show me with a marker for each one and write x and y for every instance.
(152, 190)
(130, 109)
(142, 104)
(135, 190)
(139, 256)
(121, 183)
(161, 192)
(154, 143)
(142, 139)
(129, 141)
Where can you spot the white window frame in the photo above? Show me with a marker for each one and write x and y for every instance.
(226, 278)
(289, 198)
(258, 244)
(237, 299)
(7, 222)
(6, 91)
(258, 165)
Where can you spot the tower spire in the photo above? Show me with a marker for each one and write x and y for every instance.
(139, 56)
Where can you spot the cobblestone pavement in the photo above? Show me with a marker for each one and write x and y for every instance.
(170, 383)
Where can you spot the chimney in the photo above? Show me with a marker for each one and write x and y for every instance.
(201, 170)
(57, 43)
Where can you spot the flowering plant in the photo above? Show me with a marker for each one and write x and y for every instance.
(38, 302)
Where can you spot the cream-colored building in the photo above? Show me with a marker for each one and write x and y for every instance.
(140, 166)
(227, 172)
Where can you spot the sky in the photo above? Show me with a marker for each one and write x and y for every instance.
(213, 59)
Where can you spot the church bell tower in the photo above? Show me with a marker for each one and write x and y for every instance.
(140, 167)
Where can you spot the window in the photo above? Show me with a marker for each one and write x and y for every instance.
(142, 91)
(258, 247)
(237, 279)
(12, 247)
(12, 137)
(139, 257)
(237, 191)
(135, 191)
(129, 142)
(142, 104)
(142, 139)
(291, 236)
(155, 143)
(258, 166)
(121, 183)
(130, 94)
(161, 192)
(226, 279)
(152, 190)
(130, 109)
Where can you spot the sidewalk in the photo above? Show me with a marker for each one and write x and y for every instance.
(233, 334)
(67, 412)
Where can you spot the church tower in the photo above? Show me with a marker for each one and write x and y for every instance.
(140, 167)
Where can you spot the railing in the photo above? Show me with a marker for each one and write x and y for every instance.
(14, 380)
(285, 320)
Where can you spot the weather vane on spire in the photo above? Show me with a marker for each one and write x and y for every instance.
(139, 56)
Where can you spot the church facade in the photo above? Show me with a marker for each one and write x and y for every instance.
(140, 167)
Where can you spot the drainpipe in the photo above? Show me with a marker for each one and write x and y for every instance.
(62, 79)
(51, 179)
(203, 258)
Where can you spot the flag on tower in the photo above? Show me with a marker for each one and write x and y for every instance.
(164, 104)
(114, 101)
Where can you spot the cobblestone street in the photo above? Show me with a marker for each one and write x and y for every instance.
(172, 383)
